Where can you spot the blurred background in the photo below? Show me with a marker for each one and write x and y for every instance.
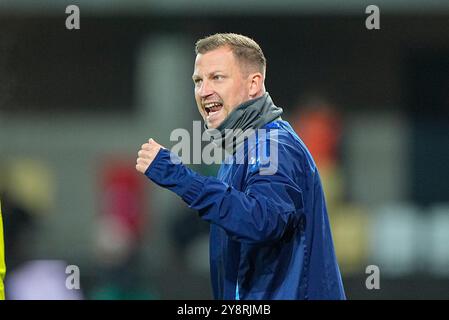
(76, 105)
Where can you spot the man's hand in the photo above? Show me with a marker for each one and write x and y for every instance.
(147, 154)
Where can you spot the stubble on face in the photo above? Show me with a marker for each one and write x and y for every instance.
(220, 85)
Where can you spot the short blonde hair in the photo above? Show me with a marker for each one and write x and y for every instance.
(245, 49)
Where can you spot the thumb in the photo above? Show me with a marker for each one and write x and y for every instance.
(153, 143)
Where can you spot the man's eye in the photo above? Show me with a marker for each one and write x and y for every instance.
(197, 81)
(218, 77)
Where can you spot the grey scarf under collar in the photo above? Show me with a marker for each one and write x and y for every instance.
(252, 114)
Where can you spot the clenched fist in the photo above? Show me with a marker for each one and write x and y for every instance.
(147, 154)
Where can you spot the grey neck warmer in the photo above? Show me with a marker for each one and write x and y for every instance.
(252, 114)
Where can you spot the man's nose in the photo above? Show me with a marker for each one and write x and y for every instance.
(205, 89)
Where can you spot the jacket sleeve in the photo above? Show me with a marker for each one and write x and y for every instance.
(263, 212)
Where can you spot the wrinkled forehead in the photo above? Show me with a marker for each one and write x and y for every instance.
(222, 57)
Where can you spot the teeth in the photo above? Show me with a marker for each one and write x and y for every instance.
(212, 104)
(212, 107)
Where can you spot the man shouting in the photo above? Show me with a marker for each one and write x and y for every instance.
(270, 236)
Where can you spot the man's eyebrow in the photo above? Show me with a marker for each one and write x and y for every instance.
(210, 74)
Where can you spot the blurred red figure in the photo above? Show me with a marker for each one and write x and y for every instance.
(123, 218)
(122, 212)
(319, 126)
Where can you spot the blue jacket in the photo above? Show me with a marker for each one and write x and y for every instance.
(270, 236)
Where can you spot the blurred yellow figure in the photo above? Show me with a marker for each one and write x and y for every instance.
(2, 258)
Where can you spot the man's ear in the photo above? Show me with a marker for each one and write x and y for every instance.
(255, 84)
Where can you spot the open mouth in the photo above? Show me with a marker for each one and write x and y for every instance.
(212, 107)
